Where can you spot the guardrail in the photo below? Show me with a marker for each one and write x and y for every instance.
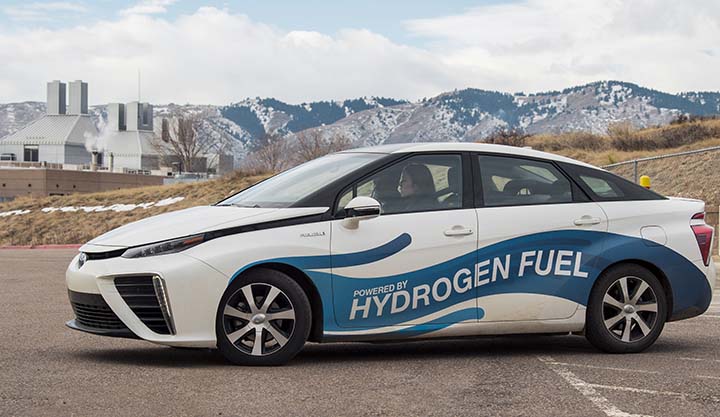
(653, 158)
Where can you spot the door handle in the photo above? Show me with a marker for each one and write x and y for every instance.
(587, 221)
(458, 231)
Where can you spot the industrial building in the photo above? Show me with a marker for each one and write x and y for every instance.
(58, 137)
(68, 136)
(64, 151)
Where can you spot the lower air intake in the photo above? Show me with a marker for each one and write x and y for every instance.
(139, 292)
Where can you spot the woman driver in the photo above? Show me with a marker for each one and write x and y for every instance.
(417, 188)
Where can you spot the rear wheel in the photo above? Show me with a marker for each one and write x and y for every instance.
(263, 319)
(627, 310)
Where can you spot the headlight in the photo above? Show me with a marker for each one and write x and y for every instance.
(82, 259)
(164, 248)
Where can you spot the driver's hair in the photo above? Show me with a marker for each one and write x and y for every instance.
(421, 177)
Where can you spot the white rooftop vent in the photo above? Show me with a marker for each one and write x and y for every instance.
(55, 97)
(78, 97)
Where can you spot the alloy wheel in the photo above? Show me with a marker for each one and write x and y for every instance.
(630, 309)
(259, 319)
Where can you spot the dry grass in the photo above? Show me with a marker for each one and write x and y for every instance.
(38, 228)
(627, 144)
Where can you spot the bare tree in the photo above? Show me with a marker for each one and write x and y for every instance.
(181, 141)
(313, 144)
(510, 137)
(270, 154)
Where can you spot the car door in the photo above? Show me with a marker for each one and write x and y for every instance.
(539, 238)
(412, 264)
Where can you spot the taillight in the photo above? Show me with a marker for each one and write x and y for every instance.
(703, 235)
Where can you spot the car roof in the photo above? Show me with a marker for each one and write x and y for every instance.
(466, 147)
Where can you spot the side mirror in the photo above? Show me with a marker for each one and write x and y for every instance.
(360, 208)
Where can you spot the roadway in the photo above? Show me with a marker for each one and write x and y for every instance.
(50, 370)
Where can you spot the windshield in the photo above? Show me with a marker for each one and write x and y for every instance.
(293, 185)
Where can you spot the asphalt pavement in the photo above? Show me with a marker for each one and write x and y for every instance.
(49, 370)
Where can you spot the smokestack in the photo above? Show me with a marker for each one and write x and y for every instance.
(94, 161)
(147, 119)
(78, 97)
(55, 98)
(133, 116)
(138, 116)
(116, 117)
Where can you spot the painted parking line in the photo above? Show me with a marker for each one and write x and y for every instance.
(638, 390)
(686, 358)
(606, 368)
(587, 390)
(550, 361)
(591, 391)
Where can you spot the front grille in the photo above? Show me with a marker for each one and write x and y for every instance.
(92, 256)
(139, 294)
(92, 311)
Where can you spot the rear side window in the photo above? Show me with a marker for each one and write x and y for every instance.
(604, 186)
(509, 181)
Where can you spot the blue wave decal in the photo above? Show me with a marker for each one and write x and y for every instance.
(349, 259)
(417, 329)
(345, 299)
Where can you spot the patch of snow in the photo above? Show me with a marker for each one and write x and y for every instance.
(117, 207)
(14, 213)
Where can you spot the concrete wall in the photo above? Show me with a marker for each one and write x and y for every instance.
(16, 149)
(76, 154)
(150, 162)
(44, 182)
(50, 153)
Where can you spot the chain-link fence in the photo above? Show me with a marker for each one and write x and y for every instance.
(692, 174)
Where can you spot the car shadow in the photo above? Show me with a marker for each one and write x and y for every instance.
(316, 354)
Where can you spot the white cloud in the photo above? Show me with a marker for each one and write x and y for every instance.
(536, 45)
(148, 7)
(214, 56)
(42, 11)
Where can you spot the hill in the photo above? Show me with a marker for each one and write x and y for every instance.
(463, 115)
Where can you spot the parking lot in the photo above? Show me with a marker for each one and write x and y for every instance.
(48, 369)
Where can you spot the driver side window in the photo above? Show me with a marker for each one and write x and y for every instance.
(508, 181)
(418, 183)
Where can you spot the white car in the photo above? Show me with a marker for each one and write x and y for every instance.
(403, 242)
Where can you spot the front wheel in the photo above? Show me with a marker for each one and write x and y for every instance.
(263, 319)
(627, 310)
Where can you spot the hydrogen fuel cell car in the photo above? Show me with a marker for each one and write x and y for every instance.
(403, 242)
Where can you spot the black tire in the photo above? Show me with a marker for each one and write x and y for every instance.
(294, 332)
(615, 338)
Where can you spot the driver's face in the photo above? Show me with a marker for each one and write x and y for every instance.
(406, 188)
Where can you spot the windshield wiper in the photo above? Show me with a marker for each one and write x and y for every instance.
(241, 205)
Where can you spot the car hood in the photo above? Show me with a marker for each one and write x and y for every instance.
(191, 221)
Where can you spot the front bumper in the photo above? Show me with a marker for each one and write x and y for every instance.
(192, 291)
(73, 324)
(93, 315)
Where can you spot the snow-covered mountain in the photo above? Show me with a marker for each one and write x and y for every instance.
(461, 115)
(472, 114)
(14, 116)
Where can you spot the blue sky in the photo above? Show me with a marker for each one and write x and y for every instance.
(326, 16)
(218, 52)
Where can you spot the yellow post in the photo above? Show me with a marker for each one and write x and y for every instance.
(645, 181)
